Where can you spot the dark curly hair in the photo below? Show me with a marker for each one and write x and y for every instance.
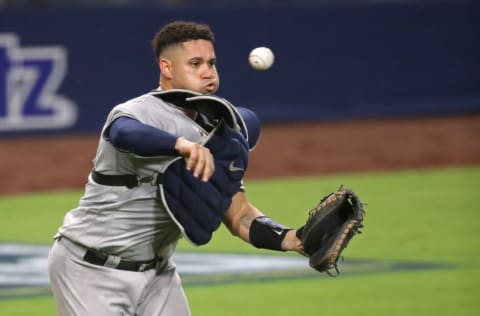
(178, 32)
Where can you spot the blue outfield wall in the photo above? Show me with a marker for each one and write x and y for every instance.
(62, 70)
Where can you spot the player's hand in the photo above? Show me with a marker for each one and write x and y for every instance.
(291, 242)
(197, 158)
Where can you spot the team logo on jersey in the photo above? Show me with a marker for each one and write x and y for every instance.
(29, 80)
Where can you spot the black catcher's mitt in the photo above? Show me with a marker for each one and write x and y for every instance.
(329, 228)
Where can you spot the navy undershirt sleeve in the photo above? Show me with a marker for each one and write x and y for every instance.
(130, 135)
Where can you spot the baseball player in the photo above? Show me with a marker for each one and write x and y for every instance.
(169, 164)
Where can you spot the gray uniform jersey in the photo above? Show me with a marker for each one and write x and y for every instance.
(130, 223)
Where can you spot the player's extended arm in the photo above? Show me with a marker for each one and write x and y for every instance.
(247, 222)
(131, 135)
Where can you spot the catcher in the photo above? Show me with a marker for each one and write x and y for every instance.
(170, 164)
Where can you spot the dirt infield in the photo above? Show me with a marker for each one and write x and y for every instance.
(46, 163)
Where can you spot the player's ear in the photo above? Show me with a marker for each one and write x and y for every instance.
(165, 67)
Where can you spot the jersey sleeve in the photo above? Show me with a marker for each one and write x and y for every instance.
(130, 135)
(121, 110)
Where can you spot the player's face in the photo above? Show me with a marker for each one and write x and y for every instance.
(193, 67)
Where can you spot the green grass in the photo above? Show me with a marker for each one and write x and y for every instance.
(427, 215)
(34, 218)
(413, 293)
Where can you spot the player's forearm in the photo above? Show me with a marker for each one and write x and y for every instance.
(240, 216)
(248, 223)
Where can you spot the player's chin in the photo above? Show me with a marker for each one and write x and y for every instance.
(210, 88)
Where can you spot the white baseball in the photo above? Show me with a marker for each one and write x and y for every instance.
(261, 58)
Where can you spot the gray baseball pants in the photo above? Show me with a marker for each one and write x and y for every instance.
(81, 288)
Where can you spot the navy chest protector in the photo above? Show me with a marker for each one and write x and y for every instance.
(198, 207)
